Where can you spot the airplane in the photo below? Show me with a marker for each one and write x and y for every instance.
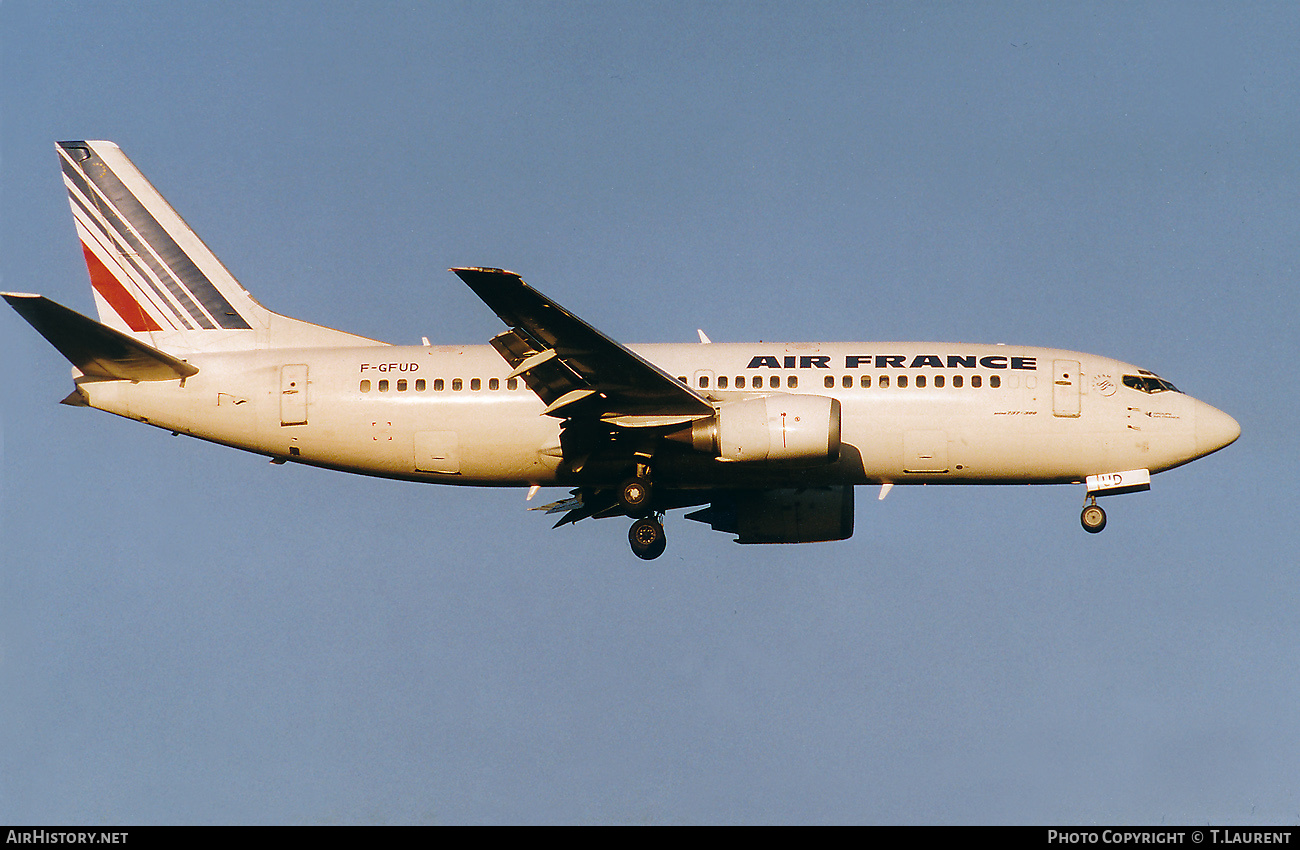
(766, 440)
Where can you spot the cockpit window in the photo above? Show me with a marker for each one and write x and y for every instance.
(1149, 383)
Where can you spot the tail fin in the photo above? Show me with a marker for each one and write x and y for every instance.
(153, 278)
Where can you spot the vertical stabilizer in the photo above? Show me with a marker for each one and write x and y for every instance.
(153, 278)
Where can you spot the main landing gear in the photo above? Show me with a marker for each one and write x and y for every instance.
(647, 537)
(635, 493)
(1093, 517)
(635, 496)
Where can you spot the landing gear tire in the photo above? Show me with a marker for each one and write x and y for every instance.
(634, 496)
(1093, 518)
(647, 538)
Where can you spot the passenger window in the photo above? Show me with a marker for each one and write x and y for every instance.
(938, 381)
(774, 382)
(512, 384)
(704, 382)
(792, 382)
(866, 382)
(494, 383)
(847, 383)
(365, 386)
(682, 378)
(475, 384)
(437, 385)
(456, 384)
(976, 381)
(829, 382)
(401, 385)
(884, 382)
(995, 381)
(902, 381)
(383, 386)
(920, 382)
(420, 385)
(740, 382)
(957, 381)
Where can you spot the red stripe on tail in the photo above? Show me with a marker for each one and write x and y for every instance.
(122, 302)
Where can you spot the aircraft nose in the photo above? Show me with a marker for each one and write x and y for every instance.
(1214, 429)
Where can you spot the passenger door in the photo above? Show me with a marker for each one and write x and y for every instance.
(293, 394)
(1065, 388)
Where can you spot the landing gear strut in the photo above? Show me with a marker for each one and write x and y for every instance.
(647, 538)
(1093, 517)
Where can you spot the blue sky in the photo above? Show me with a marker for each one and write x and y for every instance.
(191, 635)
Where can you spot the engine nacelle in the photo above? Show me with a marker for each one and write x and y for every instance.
(809, 515)
(777, 427)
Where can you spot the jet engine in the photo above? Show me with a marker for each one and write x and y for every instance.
(777, 427)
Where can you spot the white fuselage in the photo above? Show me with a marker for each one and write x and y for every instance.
(925, 413)
(771, 437)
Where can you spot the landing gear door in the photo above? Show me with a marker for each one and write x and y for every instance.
(293, 394)
(1065, 388)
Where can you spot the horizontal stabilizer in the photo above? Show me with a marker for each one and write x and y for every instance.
(95, 349)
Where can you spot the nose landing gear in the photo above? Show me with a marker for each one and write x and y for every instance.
(647, 537)
(1093, 517)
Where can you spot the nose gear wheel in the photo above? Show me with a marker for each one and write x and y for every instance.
(1093, 518)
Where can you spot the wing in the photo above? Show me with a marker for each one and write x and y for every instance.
(575, 369)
